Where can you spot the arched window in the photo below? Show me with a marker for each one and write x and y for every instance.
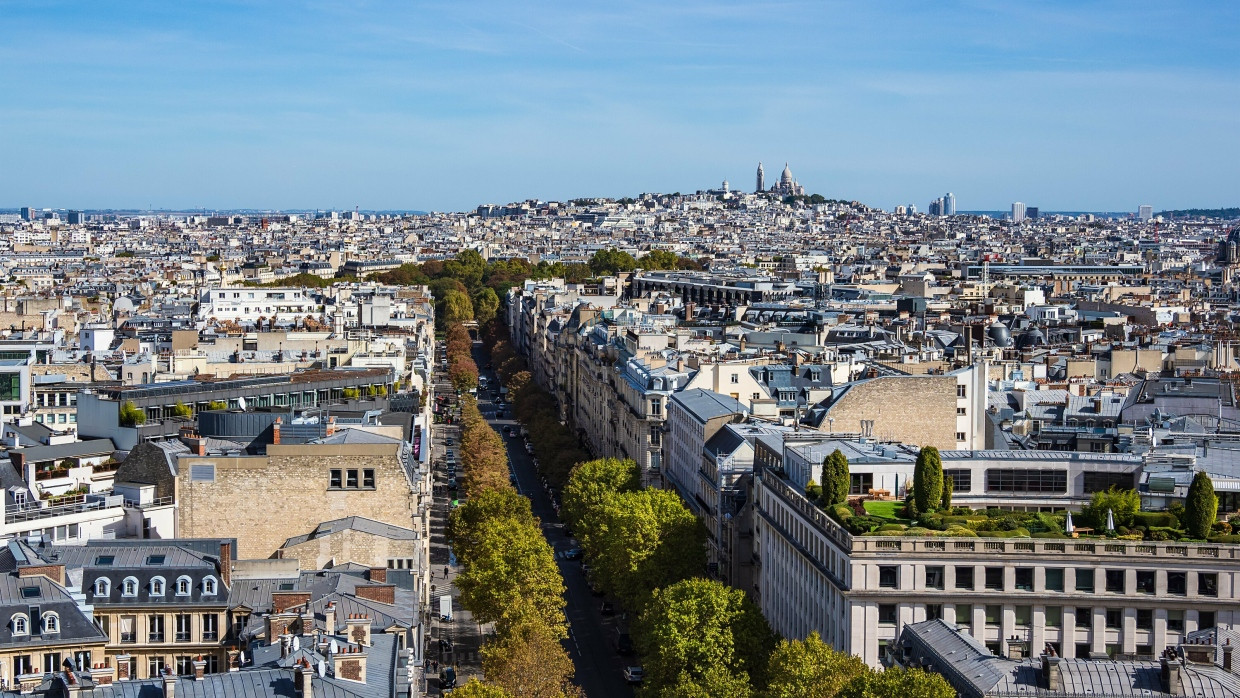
(157, 586)
(184, 584)
(103, 587)
(20, 624)
(130, 586)
(51, 622)
(209, 586)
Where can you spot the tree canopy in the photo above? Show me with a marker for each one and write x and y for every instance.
(1201, 506)
(612, 260)
(928, 480)
(810, 668)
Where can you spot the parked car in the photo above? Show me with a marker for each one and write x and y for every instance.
(624, 643)
(451, 483)
(572, 554)
(633, 675)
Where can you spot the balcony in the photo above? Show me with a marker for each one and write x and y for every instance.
(63, 507)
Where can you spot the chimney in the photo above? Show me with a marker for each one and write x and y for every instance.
(350, 664)
(278, 624)
(170, 683)
(200, 668)
(275, 431)
(383, 593)
(122, 667)
(329, 618)
(331, 426)
(56, 573)
(378, 574)
(226, 563)
(1051, 673)
(357, 629)
(102, 674)
(282, 601)
(234, 660)
(1227, 648)
(307, 622)
(305, 679)
(1171, 678)
(286, 642)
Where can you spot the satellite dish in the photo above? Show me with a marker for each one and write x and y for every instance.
(296, 643)
(241, 403)
(322, 669)
(334, 649)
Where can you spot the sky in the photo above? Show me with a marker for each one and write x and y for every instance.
(1071, 105)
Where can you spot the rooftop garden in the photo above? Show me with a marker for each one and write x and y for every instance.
(928, 511)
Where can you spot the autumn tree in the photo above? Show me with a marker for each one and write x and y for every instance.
(469, 524)
(477, 689)
(897, 683)
(592, 481)
(512, 578)
(529, 661)
(810, 668)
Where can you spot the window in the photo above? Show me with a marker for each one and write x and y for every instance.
(964, 578)
(964, 614)
(128, 629)
(336, 481)
(860, 483)
(1054, 579)
(1177, 583)
(1054, 616)
(210, 627)
(20, 624)
(888, 577)
(962, 480)
(368, 478)
(994, 614)
(1012, 480)
(130, 586)
(1145, 619)
(155, 628)
(934, 578)
(1024, 615)
(213, 664)
(184, 627)
(1115, 581)
(1024, 578)
(102, 586)
(962, 391)
(656, 408)
(934, 611)
(1084, 619)
(104, 625)
(1145, 581)
(184, 584)
(1207, 584)
(961, 436)
(1175, 620)
(887, 613)
(31, 592)
(1085, 580)
(155, 559)
(350, 479)
(1115, 618)
(961, 411)
(22, 665)
(1205, 620)
(51, 622)
(209, 585)
(157, 586)
(1097, 481)
(154, 667)
(994, 578)
(736, 378)
(51, 662)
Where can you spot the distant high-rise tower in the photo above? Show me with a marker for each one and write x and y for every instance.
(1145, 212)
(949, 204)
(1018, 212)
(935, 208)
(27, 213)
(761, 185)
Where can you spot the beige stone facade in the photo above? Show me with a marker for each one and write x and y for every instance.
(265, 500)
(350, 545)
(917, 410)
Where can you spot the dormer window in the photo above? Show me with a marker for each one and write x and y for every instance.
(51, 622)
(130, 586)
(209, 586)
(184, 584)
(102, 586)
(157, 586)
(20, 624)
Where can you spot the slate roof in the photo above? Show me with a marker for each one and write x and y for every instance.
(707, 404)
(15, 597)
(355, 523)
(143, 563)
(356, 436)
(75, 449)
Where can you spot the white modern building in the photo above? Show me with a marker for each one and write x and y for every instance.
(250, 304)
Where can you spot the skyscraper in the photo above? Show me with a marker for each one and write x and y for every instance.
(761, 185)
(949, 204)
(1018, 212)
(935, 208)
(1145, 212)
(27, 213)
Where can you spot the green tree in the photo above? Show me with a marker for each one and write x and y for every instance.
(456, 307)
(217, 405)
(1123, 504)
(897, 683)
(592, 481)
(810, 668)
(486, 304)
(512, 578)
(717, 682)
(659, 259)
(182, 410)
(948, 488)
(529, 661)
(813, 490)
(699, 628)
(477, 689)
(130, 415)
(469, 524)
(835, 478)
(928, 480)
(612, 260)
(1201, 506)
(641, 541)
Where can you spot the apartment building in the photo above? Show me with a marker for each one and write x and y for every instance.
(45, 624)
(1081, 597)
(248, 305)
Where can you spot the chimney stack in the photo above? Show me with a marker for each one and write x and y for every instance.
(329, 618)
(1051, 673)
(358, 629)
(226, 563)
(275, 431)
(200, 668)
(170, 683)
(305, 679)
(1172, 681)
(285, 643)
(1227, 648)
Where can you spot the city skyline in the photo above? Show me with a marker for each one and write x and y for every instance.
(444, 107)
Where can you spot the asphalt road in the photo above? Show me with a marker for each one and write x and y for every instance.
(591, 642)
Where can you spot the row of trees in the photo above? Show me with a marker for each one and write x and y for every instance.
(462, 370)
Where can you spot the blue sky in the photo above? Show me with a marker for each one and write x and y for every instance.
(403, 105)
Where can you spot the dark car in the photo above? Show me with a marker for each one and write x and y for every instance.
(447, 678)
(572, 554)
(624, 644)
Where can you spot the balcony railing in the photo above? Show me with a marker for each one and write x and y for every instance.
(80, 503)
